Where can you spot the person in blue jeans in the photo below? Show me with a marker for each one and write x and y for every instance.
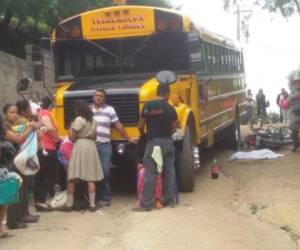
(105, 116)
(160, 128)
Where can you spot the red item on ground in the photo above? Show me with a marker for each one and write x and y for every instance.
(215, 170)
(140, 187)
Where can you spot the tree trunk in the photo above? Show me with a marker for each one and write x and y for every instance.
(5, 23)
(36, 25)
(21, 21)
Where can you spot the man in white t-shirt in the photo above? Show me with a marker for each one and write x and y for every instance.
(105, 117)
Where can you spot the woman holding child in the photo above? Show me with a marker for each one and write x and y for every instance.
(18, 214)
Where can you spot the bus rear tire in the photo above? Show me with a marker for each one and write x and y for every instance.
(233, 133)
(230, 139)
(185, 163)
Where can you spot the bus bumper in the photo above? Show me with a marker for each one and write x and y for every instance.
(123, 154)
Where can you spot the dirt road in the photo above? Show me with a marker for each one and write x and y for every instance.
(253, 205)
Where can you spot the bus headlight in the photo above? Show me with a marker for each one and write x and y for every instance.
(121, 148)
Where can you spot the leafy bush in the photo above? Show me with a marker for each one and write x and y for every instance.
(293, 75)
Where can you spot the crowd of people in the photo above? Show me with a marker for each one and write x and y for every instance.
(90, 158)
(289, 109)
(261, 105)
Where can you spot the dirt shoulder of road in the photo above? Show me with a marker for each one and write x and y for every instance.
(253, 205)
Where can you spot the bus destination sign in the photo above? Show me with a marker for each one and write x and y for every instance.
(118, 23)
(122, 23)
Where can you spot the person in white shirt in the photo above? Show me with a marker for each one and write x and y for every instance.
(105, 116)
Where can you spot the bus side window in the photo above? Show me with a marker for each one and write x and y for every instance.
(195, 51)
(215, 59)
(235, 61)
(204, 57)
(223, 64)
(203, 91)
(99, 62)
(242, 62)
(209, 58)
(89, 62)
(226, 61)
(239, 62)
(230, 61)
(218, 58)
(67, 68)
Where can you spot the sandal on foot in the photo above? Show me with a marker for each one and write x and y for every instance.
(93, 209)
(5, 235)
(41, 207)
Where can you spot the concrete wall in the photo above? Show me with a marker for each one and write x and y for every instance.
(13, 69)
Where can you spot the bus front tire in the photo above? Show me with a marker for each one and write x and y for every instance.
(185, 163)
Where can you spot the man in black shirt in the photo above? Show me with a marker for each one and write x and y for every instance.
(160, 119)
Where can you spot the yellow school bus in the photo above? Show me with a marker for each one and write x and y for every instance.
(120, 49)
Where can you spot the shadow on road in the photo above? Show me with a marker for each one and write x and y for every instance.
(123, 182)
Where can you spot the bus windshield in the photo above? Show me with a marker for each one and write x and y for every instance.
(165, 51)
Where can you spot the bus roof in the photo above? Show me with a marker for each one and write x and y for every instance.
(218, 39)
(112, 8)
(189, 25)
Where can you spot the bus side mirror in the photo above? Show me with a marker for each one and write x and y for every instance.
(23, 85)
(166, 77)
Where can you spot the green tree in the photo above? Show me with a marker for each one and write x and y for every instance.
(286, 7)
(158, 3)
(21, 10)
(26, 21)
(293, 75)
(6, 13)
(51, 12)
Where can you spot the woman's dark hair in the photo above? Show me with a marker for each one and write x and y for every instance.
(46, 102)
(7, 107)
(22, 106)
(82, 109)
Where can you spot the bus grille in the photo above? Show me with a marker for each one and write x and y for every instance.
(126, 106)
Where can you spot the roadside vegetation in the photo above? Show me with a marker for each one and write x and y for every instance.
(26, 22)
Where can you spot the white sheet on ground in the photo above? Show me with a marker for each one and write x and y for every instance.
(255, 155)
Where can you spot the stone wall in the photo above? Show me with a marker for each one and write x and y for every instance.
(13, 69)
